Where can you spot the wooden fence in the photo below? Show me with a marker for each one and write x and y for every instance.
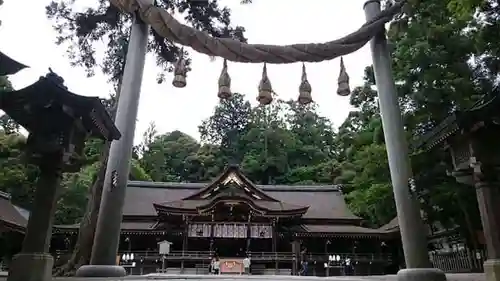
(459, 261)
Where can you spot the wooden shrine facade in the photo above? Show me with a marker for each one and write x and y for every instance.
(232, 217)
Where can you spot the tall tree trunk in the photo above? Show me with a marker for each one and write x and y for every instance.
(83, 248)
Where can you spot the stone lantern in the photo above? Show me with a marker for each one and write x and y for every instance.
(9, 66)
(58, 122)
(471, 137)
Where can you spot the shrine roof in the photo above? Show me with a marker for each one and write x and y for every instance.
(200, 205)
(231, 175)
(486, 108)
(130, 225)
(10, 215)
(324, 201)
(134, 227)
(392, 226)
(337, 230)
(436, 230)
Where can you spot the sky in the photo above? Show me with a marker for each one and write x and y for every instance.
(27, 36)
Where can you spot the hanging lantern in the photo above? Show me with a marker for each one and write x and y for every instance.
(180, 71)
(224, 83)
(304, 88)
(343, 81)
(265, 96)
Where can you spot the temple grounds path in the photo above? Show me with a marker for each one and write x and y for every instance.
(451, 277)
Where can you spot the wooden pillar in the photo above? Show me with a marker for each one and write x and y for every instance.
(295, 255)
(274, 238)
(185, 235)
(354, 257)
(249, 232)
(212, 233)
(275, 248)
(380, 257)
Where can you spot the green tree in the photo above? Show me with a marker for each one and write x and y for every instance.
(266, 144)
(225, 127)
(16, 176)
(314, 158)
(165, 158)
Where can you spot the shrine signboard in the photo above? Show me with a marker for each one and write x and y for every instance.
(164, 247)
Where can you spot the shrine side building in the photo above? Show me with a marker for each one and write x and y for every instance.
(232, 217)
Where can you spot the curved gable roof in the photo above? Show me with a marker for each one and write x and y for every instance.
(260, 206)
(325, 201)
(231, 174)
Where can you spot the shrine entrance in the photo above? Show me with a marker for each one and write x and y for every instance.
(230, 247)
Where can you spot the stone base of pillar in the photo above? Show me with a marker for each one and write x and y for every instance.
(421, 274)
(101, 271)
(492, 270)
(31, 267)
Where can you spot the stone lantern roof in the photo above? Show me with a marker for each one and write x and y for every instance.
(9, 66)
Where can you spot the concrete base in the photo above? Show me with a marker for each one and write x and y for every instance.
(31, 267)
(421, 274)
(492, 270)
(101, 271)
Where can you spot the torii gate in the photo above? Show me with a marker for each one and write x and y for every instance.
(108, 227)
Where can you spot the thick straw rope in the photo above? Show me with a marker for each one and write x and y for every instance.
(168, 27)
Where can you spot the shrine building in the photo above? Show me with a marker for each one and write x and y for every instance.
(232, 217)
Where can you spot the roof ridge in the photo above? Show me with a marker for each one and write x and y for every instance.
(226, 176)
(274, 187)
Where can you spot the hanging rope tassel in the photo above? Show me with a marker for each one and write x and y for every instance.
(180, 71)
(224, 83)
(305, 88)
(265, 96)
(344, 88)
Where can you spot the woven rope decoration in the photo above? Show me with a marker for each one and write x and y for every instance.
(168, 27)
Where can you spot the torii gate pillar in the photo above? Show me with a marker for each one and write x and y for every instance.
(410, 221)
(107, 235)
